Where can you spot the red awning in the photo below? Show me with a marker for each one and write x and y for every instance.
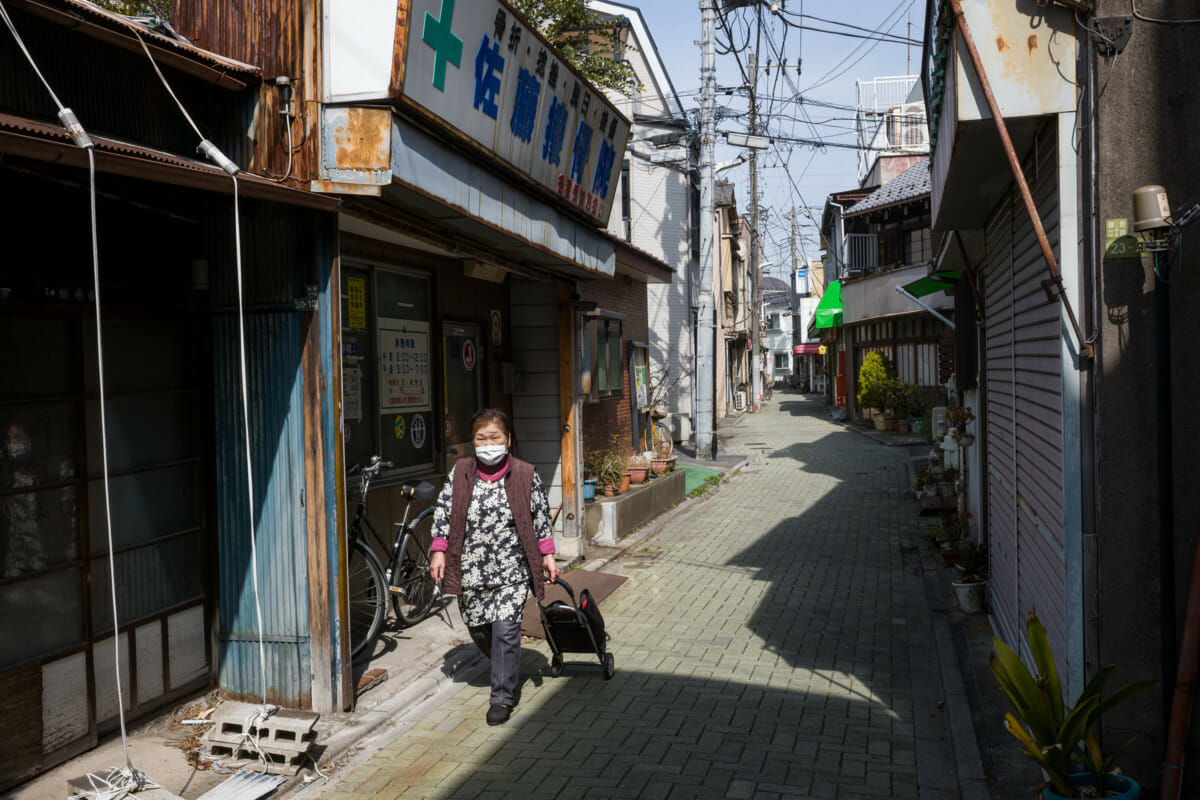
(806, 349)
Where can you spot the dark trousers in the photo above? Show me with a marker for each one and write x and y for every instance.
(501, 642)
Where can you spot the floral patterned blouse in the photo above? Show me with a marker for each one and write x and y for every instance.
(495, 572)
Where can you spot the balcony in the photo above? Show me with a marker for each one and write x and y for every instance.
(1030, 63)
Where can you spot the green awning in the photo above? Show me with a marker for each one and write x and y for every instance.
(829, 310)
(937, 282)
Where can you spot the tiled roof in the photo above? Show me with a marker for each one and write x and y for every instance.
(908, 185)
(774, 285)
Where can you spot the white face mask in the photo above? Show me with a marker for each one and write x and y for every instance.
(18, 450)
(491, 453)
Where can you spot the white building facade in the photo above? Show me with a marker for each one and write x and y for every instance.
(654, 210)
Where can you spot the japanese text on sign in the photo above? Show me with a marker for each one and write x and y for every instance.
(403, 370)
(480, 68)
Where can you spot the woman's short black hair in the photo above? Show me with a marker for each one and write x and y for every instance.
(486, 416)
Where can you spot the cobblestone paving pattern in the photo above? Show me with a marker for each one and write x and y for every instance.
(761, 646)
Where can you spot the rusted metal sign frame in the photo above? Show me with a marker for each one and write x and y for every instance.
(1053, 285)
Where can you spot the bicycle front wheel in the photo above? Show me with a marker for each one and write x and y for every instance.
(365, 580)
(413, 589)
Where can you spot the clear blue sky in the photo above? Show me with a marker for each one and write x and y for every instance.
(829, 66)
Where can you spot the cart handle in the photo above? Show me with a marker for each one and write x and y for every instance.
(567, 586)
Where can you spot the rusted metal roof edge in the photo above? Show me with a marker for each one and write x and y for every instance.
(117, 30)
(44, 142)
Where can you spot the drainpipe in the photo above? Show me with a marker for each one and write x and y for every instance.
(841, 240)
(1054, 284)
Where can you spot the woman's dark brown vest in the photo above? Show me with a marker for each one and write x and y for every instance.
(518, 485)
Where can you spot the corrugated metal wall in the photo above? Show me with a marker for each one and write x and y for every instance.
(536, 409)
(274, 340)
(113, 100)
(1024, 413)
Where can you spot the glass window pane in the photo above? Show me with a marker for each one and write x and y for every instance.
(150, 579)
(38, 530)
(143, 430)
(359, 412)
(46, 369)
(402, 296)
(601, 355)
(37, 445)
(615, 368)
(145, 506)
(143, 356)
(40, 616)
(407, 439)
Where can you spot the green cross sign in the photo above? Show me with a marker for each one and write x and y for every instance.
(446, 46)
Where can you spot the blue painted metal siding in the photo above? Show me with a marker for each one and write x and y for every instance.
(274, 341)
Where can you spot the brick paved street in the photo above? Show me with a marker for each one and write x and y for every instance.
(765, 647)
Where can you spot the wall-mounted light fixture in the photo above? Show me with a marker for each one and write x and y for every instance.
(1156, 229)
(284, 84)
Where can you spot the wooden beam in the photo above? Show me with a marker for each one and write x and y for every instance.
(569, 414)
(319, 612)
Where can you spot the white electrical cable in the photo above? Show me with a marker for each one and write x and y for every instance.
(21, 44)
(1144, 18)
(237, 234)
(224, 162)
(129, 779)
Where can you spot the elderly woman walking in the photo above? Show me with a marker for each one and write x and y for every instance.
(492, 541)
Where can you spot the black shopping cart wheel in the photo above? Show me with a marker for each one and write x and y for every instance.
(610, 666)
(556, 666)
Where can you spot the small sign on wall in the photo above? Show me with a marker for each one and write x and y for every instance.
(497, 327)
(1117, 241)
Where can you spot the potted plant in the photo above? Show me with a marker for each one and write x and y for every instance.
(1061, 738)
(903, 394)
(639, 465)
(959, 419)
(875, 379)
(608, 469)
(971, 586)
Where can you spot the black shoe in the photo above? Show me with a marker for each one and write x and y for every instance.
(498, 714)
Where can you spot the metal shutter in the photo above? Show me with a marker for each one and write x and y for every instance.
(1024, 409)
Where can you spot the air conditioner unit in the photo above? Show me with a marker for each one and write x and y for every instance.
(739, 400)
(939, 422)
(681, 427)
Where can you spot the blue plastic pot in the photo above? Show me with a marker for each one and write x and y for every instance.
(589, 490)
(1127, 786)
(919, 426)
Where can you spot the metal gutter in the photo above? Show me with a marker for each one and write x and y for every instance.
(1086, 350)
(41, 141)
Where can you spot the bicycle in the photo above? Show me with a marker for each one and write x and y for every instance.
(406, 580)
(656, 435)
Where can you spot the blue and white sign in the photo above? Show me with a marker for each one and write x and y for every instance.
(478, 67)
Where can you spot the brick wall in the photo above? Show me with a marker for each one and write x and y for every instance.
(603, 419)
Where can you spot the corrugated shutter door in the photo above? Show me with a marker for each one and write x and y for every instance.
(1024, 411)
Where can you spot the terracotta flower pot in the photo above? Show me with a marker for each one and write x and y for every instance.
(659, 465)
(637, 474)
(624, 483)
(609, 490)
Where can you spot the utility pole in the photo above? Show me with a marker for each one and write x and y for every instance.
(756, 387)
(706, 330)
(797, 334)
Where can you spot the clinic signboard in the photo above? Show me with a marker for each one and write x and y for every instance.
(476, 66)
